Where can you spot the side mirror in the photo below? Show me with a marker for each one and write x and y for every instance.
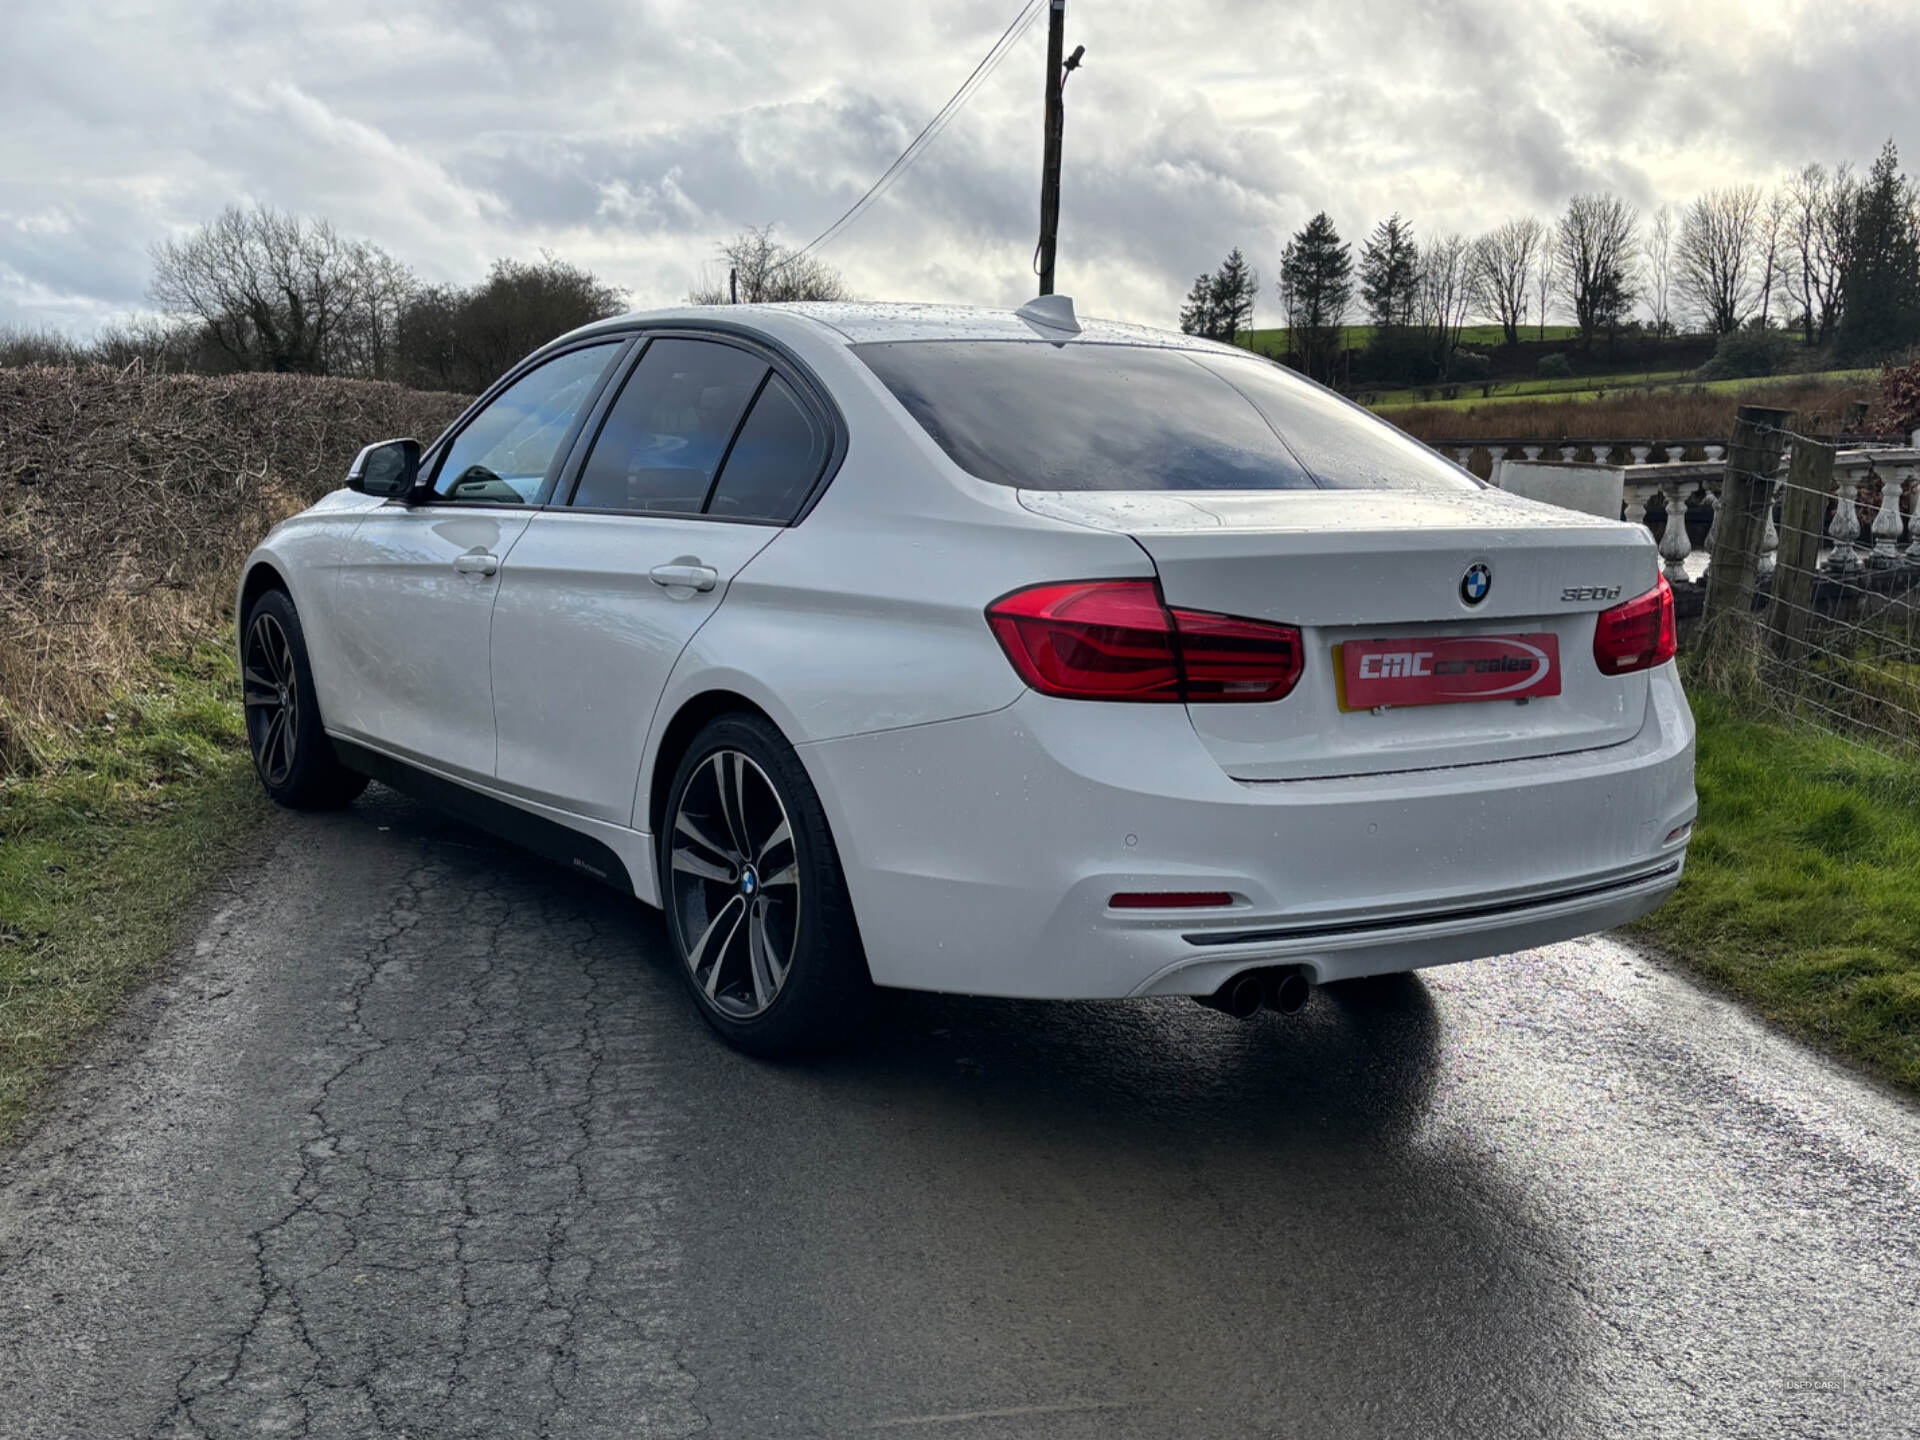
(390, 468)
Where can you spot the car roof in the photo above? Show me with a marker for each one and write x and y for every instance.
(863, 322)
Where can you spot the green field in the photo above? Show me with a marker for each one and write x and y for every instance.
(1595, 387)
(1274, 342)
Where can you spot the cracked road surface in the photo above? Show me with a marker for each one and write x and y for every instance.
(419, 1138)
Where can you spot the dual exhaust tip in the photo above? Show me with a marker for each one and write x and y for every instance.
(1283, 988)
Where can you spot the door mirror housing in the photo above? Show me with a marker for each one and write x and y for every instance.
(390, 468)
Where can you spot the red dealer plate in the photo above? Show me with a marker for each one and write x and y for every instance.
(1448, 671)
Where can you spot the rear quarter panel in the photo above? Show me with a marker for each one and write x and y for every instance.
(870, 614)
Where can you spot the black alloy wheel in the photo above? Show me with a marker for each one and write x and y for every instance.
(756, 902)
(292, 755)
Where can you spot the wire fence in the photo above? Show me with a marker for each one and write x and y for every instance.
(1831, 631)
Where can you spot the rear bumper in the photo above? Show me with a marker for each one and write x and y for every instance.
(982, 853)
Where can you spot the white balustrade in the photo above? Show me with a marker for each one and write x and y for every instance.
(1913, 518)
(1715, 454)
(1640, 453)
(1532, 452)
(1886, 524)
(1844, 528)
(1769, 540)
(1674, 545)
(1634, 499)
(1567, 452)
(1712, 536)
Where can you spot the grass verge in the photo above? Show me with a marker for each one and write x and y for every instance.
(103, 851)
(1802, 891)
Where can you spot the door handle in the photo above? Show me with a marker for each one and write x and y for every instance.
(693, 577)
(476, 563)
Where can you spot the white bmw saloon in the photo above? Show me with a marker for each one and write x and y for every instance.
(983, 651)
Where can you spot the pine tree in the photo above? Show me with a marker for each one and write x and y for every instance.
(1197, 316)
(1881, 309)
(1234, 290)
(1316, 285)
(1389, 274)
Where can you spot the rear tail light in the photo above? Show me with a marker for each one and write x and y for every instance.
(1117, 640)
(1637, 635)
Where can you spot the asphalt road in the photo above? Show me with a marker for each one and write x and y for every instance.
(419, 1138)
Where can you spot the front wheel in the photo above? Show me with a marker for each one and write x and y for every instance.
(294, 759)
(756, 902)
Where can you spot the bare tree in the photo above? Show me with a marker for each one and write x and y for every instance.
(1658, 291)
(1715, 253)
(378, 291)
(1820, 209)
(1546, 276)
(1500, 271)
(763, 271)
(271, 290)
(1444, 295)
(1596, 243)
(1772, 228)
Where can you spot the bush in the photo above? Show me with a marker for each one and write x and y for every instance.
(1749, 352)
(1899, 407)
(1554, 367)
(128, 500)
(1470, 366)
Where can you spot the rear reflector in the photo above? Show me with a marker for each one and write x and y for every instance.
(1169, 899)
(1637, 635)
(1117, 640)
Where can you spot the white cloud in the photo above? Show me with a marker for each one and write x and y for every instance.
(631, 135)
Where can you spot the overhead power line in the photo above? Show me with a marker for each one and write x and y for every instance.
(1010, 37)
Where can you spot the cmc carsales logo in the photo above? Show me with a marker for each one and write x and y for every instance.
(1443, 671)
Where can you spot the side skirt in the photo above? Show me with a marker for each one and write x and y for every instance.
(580, 853)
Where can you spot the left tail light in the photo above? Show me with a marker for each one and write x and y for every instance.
(1638, 635)
(1117, 640)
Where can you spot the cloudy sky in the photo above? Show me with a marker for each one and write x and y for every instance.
(629, 135)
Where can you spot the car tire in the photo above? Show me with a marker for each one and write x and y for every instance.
(292, 755)
(758, 916)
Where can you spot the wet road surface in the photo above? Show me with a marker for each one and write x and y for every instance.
(420, 1138)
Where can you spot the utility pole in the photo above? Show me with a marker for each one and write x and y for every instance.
(1057, 72)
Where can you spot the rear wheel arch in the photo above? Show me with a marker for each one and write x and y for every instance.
(688, 721)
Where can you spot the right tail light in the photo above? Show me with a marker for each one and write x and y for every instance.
(1637, 635)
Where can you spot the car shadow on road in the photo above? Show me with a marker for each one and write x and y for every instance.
(990, 1203)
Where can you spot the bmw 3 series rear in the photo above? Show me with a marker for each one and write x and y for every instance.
(1327, 708)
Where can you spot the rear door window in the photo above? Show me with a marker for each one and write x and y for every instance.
(1079, 416)
(774, 461)
(669, 428)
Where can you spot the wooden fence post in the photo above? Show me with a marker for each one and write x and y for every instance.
(1803, 519)
(1745, 493)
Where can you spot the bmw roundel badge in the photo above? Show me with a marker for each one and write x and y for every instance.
(1475, 584)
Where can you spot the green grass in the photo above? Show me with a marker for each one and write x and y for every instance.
(1596, 387)
(1274, 342)
(102, 853)
(1802, 890)
(1576, 387)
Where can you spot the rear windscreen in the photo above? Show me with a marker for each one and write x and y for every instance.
(1039, 416)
